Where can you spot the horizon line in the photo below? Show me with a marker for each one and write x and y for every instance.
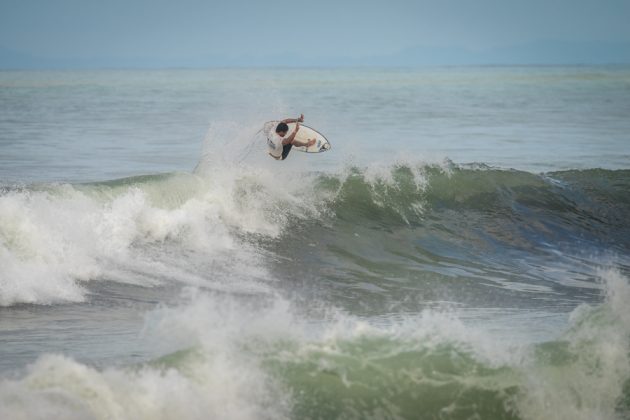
(316, 67)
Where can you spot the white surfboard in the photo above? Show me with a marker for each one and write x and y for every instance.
(307, 133)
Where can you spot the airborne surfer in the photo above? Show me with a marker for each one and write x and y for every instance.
(277, 140)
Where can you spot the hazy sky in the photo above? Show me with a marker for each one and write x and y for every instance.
(320, 28)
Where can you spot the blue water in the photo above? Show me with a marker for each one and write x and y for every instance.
(461, 252)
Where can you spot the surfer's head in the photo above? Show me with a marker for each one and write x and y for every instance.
(282, 129)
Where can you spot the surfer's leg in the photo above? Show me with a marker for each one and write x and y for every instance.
(285, 150)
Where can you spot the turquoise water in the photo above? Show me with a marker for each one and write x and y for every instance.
(461, 252)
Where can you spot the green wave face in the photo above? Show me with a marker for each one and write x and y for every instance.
(477, 235)
(380, 378)
(411, 195)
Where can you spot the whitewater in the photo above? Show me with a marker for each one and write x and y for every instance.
(462, 252)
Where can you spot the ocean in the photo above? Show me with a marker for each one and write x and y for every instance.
(462, 251)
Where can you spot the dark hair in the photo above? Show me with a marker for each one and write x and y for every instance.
(282, 127)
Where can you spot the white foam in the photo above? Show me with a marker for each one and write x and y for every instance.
(222, 386)
(217, 376)
(52, 241)
(589, 384)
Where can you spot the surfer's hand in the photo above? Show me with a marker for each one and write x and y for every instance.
(301, 119)
(310, 143)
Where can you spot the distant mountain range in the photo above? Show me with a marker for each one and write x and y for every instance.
(536, 53)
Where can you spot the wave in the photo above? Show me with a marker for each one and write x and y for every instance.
(408, 195)
(465, 233)
(156, 229)
(55, 239)
(261, 360)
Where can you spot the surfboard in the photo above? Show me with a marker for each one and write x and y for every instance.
(307, 133)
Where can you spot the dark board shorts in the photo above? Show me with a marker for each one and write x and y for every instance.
(285, 150)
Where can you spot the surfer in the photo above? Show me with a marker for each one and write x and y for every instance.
(277, 140)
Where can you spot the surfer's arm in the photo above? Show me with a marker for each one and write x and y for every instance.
(293, 120)
(304, 143)
(291, 137)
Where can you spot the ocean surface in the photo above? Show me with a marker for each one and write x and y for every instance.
(462, 252)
